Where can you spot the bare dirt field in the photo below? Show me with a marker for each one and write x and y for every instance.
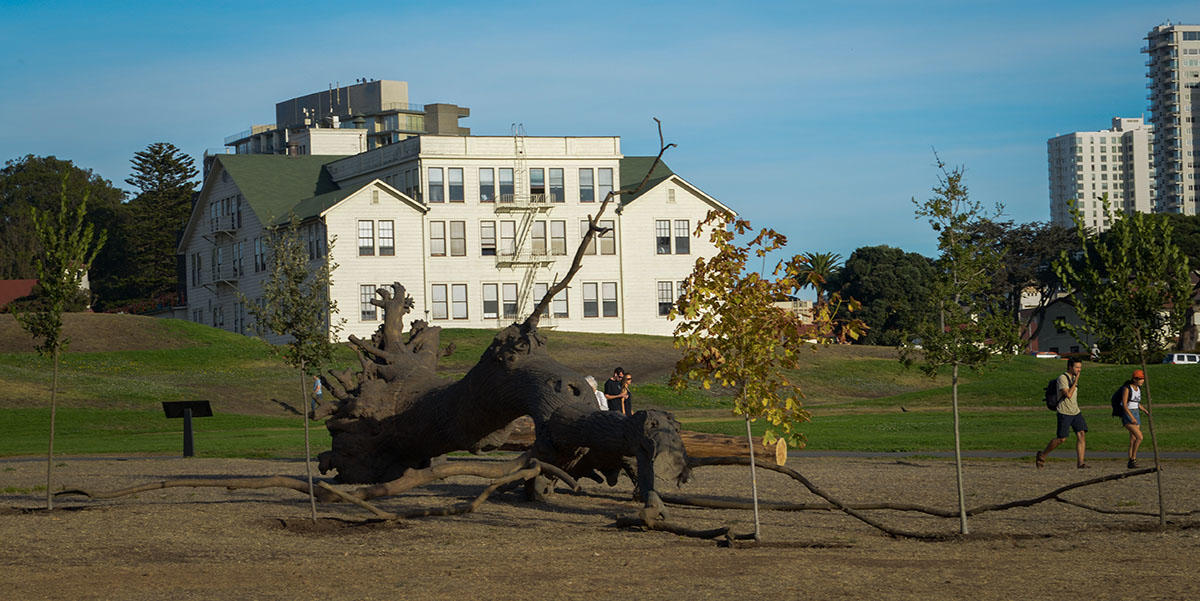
(186, 543)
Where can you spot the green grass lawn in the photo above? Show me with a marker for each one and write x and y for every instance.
(88, 431)
(109, 401)
(1178, 429)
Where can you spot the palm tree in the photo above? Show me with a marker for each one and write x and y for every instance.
(820, 267)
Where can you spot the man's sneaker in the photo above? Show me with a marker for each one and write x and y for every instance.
(1083, 466)
(1132, 464)
(1039, 460)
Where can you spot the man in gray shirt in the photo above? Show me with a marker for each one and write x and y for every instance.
(1068, 414)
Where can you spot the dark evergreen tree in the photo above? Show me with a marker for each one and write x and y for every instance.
(893, 287)
(37, 182)
(164, 178)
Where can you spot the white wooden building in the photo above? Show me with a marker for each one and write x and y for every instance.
(476, 228)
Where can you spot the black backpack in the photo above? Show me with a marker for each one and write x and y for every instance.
(1052, 398)
(1118, 404)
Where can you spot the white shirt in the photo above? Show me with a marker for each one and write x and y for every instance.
(601, 400)
(1135, 397)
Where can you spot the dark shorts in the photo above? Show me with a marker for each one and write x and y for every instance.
(1069, 423)
(1137, 418)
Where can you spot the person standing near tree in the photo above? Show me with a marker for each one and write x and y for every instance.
(316, 393)
(1069, 416)
(1129, 410)
(627, 405)
(614, 390)
(600, 398)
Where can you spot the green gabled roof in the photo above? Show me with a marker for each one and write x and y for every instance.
(311, 207)
(274, 184)
(633, 169)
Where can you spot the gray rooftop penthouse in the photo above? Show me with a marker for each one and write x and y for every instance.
(379, 109)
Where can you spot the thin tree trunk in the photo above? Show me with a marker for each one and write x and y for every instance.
(962, 502)
(1162, 508)
(304, 408)
(50, 450)
(753, 481)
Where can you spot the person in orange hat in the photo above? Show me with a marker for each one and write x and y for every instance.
(1127, 401)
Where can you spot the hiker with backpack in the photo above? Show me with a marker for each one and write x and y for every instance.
(1126, 404)
(1068, 414)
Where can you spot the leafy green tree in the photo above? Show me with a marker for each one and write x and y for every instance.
(36, 182)
(296, 304)
(818, 269)
(68, 245)
(1028, 253)
(1131, 290)
(164, 179)
(733, 336)
(969, 328)
(893, 287)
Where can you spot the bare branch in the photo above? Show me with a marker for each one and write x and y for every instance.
(593, 231)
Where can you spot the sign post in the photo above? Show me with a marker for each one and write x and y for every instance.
(187, 410)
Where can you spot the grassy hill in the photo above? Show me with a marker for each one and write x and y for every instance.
(120, 367)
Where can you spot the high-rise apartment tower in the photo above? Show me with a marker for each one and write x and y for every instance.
(1087, 165)
(1174, 72)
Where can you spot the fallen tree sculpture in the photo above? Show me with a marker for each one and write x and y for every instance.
(395, 414)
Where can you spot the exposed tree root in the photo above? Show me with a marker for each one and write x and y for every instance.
(850, 511)
(1152, 514)
(638, 523)
(500, 472)
(1058, 491)
(295, 484)
(853, 509)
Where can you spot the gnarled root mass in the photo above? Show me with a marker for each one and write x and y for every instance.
(394, 414)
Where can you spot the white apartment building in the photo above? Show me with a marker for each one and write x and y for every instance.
(477, 228)
(1174, 72)
(1088, 165)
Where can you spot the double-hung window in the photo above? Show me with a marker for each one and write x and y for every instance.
(509, 292)
(587, 186)
(506, 184)
(437, 191)
(604, 183)
(537, 185)
(539, 237)
(367, 311)
(487, 238)
(458, 301)
(437, 302)
(366, 238)
(558, 237)
(559, 305)
(608, 298)
(608, 240)
(487, 184)
(583, 230)
(539, 292)
(491, 301)
(591, 302)
(666, 298)
(454, 175)
(387, 238)
(662, 236)
(437, 238)
(508, 238)
(558, 190)
(683, 237)
(458, 238)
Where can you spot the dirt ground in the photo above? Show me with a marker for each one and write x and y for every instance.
(186, 543)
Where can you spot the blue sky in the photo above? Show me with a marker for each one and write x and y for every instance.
(816, 119)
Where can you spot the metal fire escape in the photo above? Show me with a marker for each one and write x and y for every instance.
(523, 207)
